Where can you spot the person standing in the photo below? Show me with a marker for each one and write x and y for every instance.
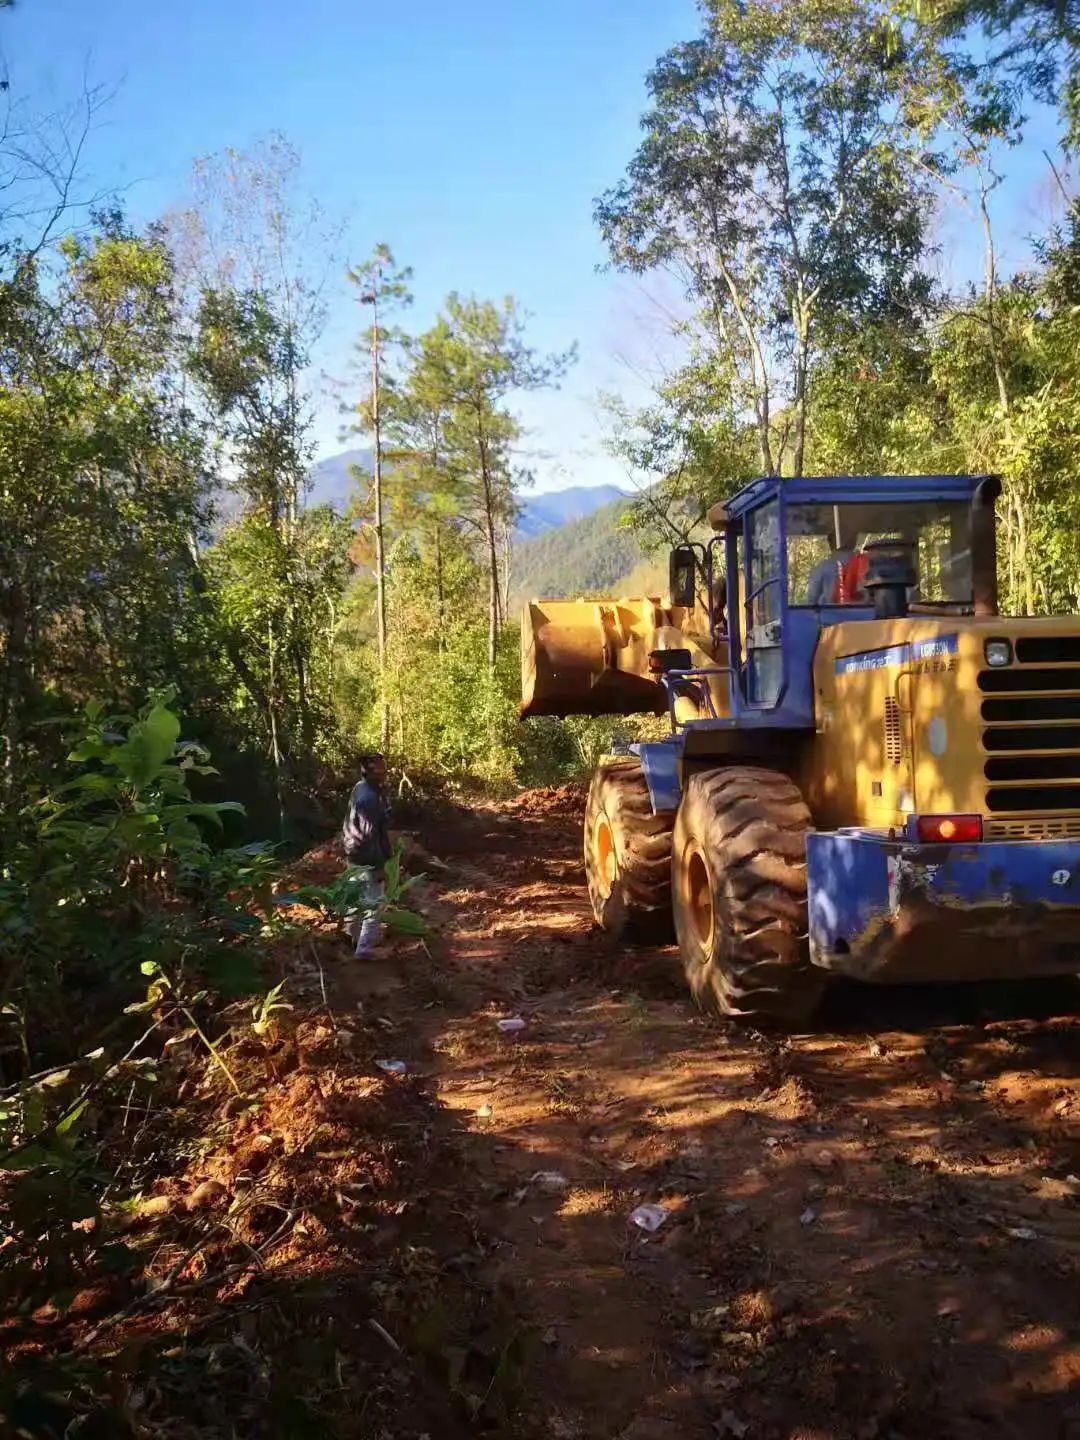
(825, 585)
(366, 837)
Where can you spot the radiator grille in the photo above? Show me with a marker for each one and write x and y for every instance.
(1032, 731)
(1049, 650)
(998, 682)
(1033, 767)
(1033, 737)
(1031, 829)
(1033, 797)
(1033, 707)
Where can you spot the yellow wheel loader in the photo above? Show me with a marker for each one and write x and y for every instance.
(870, 771)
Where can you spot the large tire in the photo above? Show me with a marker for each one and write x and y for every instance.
(739, 896)
(627, 855)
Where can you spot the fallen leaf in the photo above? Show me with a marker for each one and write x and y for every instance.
(154, 1206)
(207, 1195)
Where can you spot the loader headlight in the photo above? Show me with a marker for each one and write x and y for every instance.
(998, 653)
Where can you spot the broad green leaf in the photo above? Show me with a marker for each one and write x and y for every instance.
(93, 783)
(140, 1007)
(149, 745)
(314, 895)
(201, 811)
(71, 1118)
(407, 921)
(33, 1111)
(28, 1158)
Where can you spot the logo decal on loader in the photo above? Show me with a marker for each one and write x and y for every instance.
(897, 655)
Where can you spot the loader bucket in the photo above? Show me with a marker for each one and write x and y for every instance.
(581, 657)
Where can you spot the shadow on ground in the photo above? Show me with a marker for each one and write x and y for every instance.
(871, 1230)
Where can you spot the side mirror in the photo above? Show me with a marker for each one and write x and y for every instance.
(682, 576)
(719, 604)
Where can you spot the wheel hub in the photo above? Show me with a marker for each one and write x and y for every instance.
(699, 898)
(607, 866)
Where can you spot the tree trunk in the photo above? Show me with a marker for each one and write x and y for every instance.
(275, 748)
(493, 596)
(1021, 568)
(1010, 554)
(507, 544)
(331, 643)
(801, 357)
(16, 683)
(303, 704)
(1024, 559)
(440, 596)
(990, 289)
(759, 371)
(492, 543)
(380, 558)
(292, 479)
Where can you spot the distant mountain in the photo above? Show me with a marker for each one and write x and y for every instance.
(332, 480)
(567, 543)
(588, 556)
(332, 484)
(547, 512)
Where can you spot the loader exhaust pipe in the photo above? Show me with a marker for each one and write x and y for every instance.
(984, 546)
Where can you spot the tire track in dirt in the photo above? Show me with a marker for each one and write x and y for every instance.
(872, 1232)
(873, 1229)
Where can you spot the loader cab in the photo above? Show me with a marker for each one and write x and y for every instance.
(802, 554)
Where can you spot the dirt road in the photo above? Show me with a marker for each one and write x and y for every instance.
(871, 1230)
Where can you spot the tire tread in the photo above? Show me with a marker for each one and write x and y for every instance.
(751, 822)
(639, 906)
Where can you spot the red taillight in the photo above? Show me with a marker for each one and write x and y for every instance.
(949, 829)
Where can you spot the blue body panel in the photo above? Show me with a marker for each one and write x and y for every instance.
(660, 766)
(802, 629)
(854, 489)
(799, 627)
(888, 909)
(791, 705)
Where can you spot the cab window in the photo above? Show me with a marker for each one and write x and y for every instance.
(826, 544)
(764, 530)
(764, 658)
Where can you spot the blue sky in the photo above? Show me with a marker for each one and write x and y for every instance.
(472, 137)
